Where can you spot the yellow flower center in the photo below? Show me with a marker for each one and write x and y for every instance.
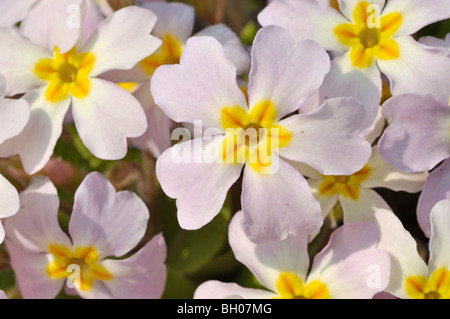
(66, 73)
(435, 287)
(85, 259)
(345, 185)
(370, 36)
(251, 137)
(168, 53)
(290, 286)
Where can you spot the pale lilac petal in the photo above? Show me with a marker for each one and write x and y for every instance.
(113, 223)
(416, 13)
(106, 117)
(232, 45)
(402, 248)
(203, 84)
(305, 19)
(3, 295)
(295, 76)
(185, 175)
(440, 236)
(175, 18)
(364, 207)
(306, 170)
(345, 80)
(418, 69)
(35, 226)
(53, 24)
(378, 128)
(213, 289)
(417, 138)
(91, 20)
(436, 42)
(13, 11)
(277, 205)
(268, 261)
(9, 199)
(30, 273)
(382, 174)
(157, 137)
(437, 188)
(14, 115)
(350, 265)
(18, 57)
(141, 276)
(328, 134)
(36, 142)
(122, 40)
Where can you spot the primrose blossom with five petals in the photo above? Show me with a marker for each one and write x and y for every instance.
(103, 224)
(349, 266)
(54, 79)
(255, 136)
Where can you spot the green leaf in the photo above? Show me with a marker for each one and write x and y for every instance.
(7, 279)
(178, 286)
(192, 249)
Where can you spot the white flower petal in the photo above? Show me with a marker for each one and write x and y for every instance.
(418, 69)
(232, 45)
(122, 40)
(203, 84)
(184, 174)
(417, 14)
(440, 236)
(53, 24)
(277, 205)
(289, 73)
(268, 261)
(141, 276)
(305, 20)
(36, 142)
(18, 58)
(175, 18)
(106, 117)
(213, 289)
(330, 132)
(111, 222)
(402, 248)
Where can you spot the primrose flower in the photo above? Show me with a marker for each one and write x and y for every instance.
(103, 223)
(437, 188)
(411, 277)
(367, 38)
(55, 78)
(14, 114)
(350, 266)
(417, 138)
(252, 136)
(174, 25)
(354, 192)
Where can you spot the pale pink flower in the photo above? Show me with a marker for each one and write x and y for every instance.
(55, 78)
(349, 267)
(103, 224)
(204, 88)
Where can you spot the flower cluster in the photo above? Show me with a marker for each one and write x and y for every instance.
(150, 150)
